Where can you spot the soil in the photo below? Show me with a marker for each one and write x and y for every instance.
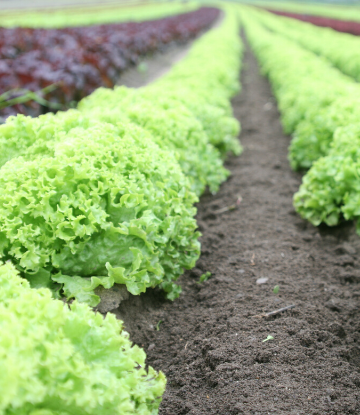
(154, 66)
(210, 342)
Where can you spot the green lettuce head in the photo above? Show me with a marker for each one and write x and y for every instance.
(98, 206)
(61, 360)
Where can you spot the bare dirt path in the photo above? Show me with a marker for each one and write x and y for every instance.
(209, 342)
(153, 67)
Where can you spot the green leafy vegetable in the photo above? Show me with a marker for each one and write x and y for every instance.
(57, 360)
(331, 188)
(172, 126)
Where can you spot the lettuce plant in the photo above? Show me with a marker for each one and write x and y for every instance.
(19, 133)
(57, 359)
(104, 202)
(331, 188)
(172, 126)
(320, 106)
(314, 135)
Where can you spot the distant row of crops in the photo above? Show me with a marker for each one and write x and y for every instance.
(65, 65)
(86, 13)
(339, 25)
(339, 11)
(313, 73)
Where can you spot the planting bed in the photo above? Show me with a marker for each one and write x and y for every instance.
(209, 342)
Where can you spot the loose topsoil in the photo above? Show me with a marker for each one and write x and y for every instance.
(210, 342)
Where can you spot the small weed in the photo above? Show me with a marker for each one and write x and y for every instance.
(276, 289)
(158, 325)
(204, 277)
(268, 338)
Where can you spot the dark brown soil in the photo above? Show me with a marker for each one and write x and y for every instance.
(210, 342)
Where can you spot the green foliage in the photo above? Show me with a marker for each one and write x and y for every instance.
(104, 194)
(331, 188)
(312, 95)
(204, 277)
(268, 338)
(206, 79)
(320, 106)
(188, 110)
(98, 196)
(341, 49)
(313, 136)
(99, 203)
(61, 360)
(91, 14)
(172, 126)
(338, 10)
(19, 133)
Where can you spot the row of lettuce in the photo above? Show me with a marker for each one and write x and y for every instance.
(100, 195)
(87, 14)
(59, 67)
(338, 25)
(319, 106)
(336, 11)
(340, 49)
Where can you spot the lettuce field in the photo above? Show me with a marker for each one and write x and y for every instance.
(78, 60)
(339, 25)
(150, 263)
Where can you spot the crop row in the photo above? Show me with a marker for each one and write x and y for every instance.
(80, 59)
(344, 26)
(319, 105)
(100, 195)
(341, 49)
(87, 15)
(335, 11)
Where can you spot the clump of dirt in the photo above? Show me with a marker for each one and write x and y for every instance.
(210, 342)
